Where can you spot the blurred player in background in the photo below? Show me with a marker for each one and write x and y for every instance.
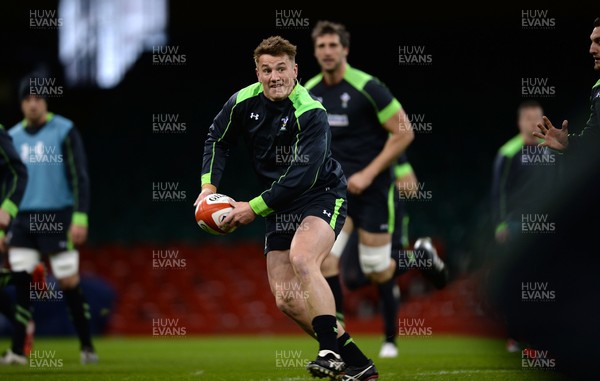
(560, 139)
(516, 175)
(521, 169)
(289, 138)
(435, 269)
(369, 132)
(13, 178)
(53, 219)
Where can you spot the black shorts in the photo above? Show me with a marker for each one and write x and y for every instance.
(374, 209)
(46, 231)
(352, 274)
(329, 205)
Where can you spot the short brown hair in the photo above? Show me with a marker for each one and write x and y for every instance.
(327, 27)
(275, 46)
(528, 103)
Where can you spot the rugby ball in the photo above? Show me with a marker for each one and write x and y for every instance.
(211, 211)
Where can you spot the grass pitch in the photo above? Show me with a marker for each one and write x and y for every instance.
(266, 358)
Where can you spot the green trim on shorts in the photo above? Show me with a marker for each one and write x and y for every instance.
(404, 239)
(391, 208)
(336, 211)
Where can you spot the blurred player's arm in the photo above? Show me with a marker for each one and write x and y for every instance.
(79, 181)
(393, 119)
(221, 136)
(498, 198)
(14, 182)
(311, 151)
(592, 126)
(560, 139)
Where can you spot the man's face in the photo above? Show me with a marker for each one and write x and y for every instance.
(277, 74)
(329, 52)
(34, 109)
(595, 47)
(528, 119)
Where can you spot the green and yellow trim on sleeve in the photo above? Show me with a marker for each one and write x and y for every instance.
(9, 207)
(80, 219)
(260, 207)
(205, 179)
(389, 111)
(502, 226)
(402, 170)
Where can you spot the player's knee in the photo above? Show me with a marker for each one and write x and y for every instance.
(301, 263)
(385, 275)
(23, 259)
(65, 267)
(374, 260)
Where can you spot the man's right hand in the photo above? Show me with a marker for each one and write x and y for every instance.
(557, 139)
(206, 190)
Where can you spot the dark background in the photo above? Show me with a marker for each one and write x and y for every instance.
(469, 93)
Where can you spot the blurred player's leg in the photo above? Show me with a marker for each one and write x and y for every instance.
(389, 307)
(437, 273)
(19, 315)
(374, 251)
(331, 268)
(23, 260)
(65, 267)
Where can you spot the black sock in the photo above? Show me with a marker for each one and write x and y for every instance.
(350, 352)
(336, 288)
(325, 327)
(389, 309)
(400, 257)
(80, 314)
(22, 310)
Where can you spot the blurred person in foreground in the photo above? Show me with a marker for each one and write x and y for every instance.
(559, 317)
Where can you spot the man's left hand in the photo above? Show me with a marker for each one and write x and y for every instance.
(242, 214)
(78, 234)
